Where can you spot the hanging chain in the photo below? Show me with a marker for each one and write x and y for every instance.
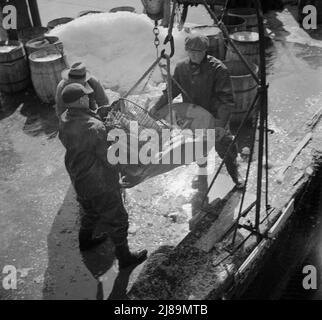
(156, 33)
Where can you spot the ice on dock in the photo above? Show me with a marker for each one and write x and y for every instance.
(116, 47)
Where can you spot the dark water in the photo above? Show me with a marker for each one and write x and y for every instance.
(294, 289)
(300, 245)
(304, 62)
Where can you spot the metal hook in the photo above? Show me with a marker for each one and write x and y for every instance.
(171, 40)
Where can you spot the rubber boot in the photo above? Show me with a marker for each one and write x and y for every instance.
(129, 259)
(202, 164)
(232, 169)
(86, 240)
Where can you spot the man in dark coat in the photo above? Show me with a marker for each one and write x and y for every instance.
(78, 73)
(205, 81)
(95, 181)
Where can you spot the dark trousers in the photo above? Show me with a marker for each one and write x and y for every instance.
(105, 213)
(231, 159)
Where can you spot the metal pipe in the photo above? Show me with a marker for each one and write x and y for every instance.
(250, 160)
(246, 117)
(263, 112)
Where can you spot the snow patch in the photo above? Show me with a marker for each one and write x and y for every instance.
(116, 47)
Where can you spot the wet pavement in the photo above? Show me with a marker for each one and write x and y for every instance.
(39, 213)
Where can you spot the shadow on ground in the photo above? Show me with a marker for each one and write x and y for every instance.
(74, 275)
(40, 117)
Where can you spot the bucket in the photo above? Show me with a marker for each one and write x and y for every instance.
(244, 86)
(46, 66)
(248, 14)
(248, 44)
(125, 8)
(234, 24)
(41, 43)
(14, 71)
(217, 46)
(27, 34)
(56, 22)
(86, 12)
(154, 9)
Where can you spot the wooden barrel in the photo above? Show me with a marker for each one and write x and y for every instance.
(41, 43)
(244, 86)
(124, 8)
(14, 71)
(234, 24)
(248, 14)
(27, 34)
(86, 12)
(56, 22)
(217, 46)
(46, 66)
(248, 44)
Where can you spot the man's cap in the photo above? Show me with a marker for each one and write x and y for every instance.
(74, 91)
(76, 72)
(197, 43)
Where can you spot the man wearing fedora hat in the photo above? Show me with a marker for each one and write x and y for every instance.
(204, 80)
(78, 73)
(95, 181)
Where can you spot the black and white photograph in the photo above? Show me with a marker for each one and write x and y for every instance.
(160, 150)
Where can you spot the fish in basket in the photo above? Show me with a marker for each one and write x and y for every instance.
(145, 147)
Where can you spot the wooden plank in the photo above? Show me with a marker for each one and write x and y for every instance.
(196, 219)
(226, 219)
(315, 119)
(260, 247)
(291, 158)
(281, 220)
(251, 258)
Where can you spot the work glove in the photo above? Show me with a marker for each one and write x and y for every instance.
(116, 105)
(153, 111)
(103, 111)
(125, 184)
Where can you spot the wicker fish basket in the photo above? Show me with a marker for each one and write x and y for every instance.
(172, 147)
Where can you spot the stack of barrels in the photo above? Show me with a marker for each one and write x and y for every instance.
(14, 71)
(36, 58)
(246, 39)
(242, 26)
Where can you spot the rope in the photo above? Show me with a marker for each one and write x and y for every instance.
(169, 91)
(224, 10)
(152, 68)
(143, 77)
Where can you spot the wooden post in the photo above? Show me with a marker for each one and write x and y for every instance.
(34, 11)
(3, 32)
(23, 18)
